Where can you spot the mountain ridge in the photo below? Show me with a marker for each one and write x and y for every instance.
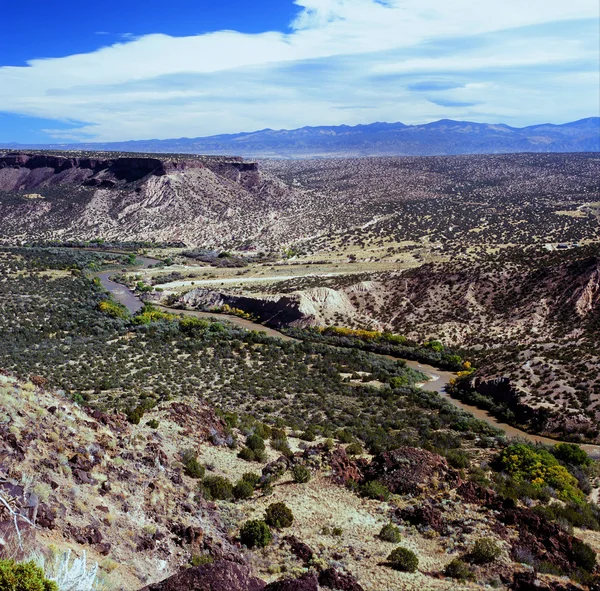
(443, 137)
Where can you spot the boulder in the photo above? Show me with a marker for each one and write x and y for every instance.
(343, 469)
(218, 576)
(409, 470)
(334, 579)
(307, 582)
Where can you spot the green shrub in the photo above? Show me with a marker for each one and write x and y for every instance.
(255, 534)
(255, 442)
(200, 559)
(571, 454)
(282, 446)
(24, 576)
(243, 490)
(457, 459)
(459, 570)
(279, 515)
(191, 465)
(262, 430)
(541, 469)
(390, 533)
(583, 555)
(251, 477)
(247, 454)
(354, 449)
(375, 490)
(134, 416)
(308, 435)
(153, 424)
(337, 531)
(484, 551)
(404, 560)
(344, 436)
(278, 434)
(217, 488)
(301, 474)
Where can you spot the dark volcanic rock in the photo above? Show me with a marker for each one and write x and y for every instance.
(409, 470)
(423, 516)
(343, 469)
(307, 582)
(334, 579)
(218, 576)
(476, 494)
(528, 581)
(301, 550)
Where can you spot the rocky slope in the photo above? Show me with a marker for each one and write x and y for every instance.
(195, 200)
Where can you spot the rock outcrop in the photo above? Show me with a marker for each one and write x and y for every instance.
(310, 307)
(218, 576)
(409, 470)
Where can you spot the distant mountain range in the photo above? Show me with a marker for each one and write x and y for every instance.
(443, 137)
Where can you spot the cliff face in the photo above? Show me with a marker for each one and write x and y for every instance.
(20, 171)
(304, 308)
(216, 202)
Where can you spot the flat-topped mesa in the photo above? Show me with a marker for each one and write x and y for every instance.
(27, 170)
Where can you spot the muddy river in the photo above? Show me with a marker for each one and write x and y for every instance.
(439, 379)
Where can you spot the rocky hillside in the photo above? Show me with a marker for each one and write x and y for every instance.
(126, 495)
(195, 200)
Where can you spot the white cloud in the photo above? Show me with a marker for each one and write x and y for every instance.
(339, 53)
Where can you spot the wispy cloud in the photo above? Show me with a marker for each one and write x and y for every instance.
(345, 61)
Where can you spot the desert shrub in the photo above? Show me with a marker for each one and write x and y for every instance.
(217, 488)
(583, 555)
(247, 454)
(403, 559)
(389, 533)
(153, 424)
(541, 469)
(282, 445)
(459, 570)
(354, 449)
(375, 490)
(279, 515)
(308, 435)
(255, 442)
(548, 568)
(262, 430)
(113, 309)
(301, 473)
(255, 534)
(243, 490)
(583, 515)
(191, 466)
(484, 551)
(457, 459)
(278, 434)
(344, 436)
(570, 454)
(24, 576)
(134, 416)
(337, 531)
(200, 559)
(251, 477)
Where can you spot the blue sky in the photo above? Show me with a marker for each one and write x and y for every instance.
(126, 70)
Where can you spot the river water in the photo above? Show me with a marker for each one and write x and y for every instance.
(439, 379)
